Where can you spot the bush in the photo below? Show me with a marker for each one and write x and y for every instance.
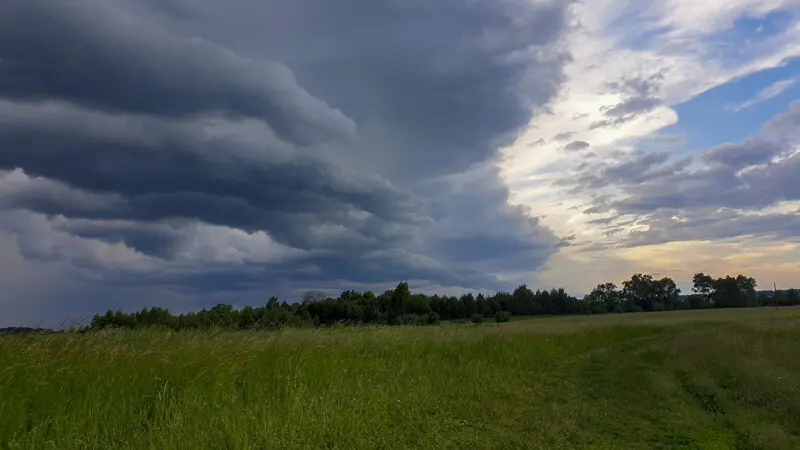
(476, 318)
(502, 316)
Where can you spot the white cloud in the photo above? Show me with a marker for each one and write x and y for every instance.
(205, 243)
(771, 91)
(200, 247)
(656, 54)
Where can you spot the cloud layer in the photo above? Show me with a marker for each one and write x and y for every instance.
(194, 151)
(613, 161)
(281, 145)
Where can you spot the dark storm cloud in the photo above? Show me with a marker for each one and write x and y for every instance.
(153, 239)
(155, 169)
(19, 191)
(473, 224)
(433, 86)
(124, 125)
(94, 54)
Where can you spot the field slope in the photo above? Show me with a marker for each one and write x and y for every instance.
(695, 379)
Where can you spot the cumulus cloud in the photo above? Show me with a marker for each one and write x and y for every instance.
(786, 125)
(714, 225)
(727, 197)
(155, 146)
(636, 66)
(750, 152)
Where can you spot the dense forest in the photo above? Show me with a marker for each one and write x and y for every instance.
(399, 306)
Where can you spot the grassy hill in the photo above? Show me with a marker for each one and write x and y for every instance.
(691, 379)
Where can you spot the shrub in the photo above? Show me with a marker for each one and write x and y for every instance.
(476, 318)
(502, 316)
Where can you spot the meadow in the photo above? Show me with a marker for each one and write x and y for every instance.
(715, 379)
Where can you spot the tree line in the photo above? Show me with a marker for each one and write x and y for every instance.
(399, 306)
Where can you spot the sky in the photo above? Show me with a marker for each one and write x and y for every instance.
(183, 153)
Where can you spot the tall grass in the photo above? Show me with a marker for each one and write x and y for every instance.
(716, 379)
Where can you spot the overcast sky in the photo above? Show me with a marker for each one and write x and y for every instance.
(182, 153)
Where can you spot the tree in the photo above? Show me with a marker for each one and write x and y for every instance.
(560, 302)
(697, 301)
(400, 306)
(605, 294)
(419, 304)
(522, 301)
(639, 291)
(222, 315)
(736, 292)
(642, 291)
(703, 284)
(247, 317)
(668, 293)
(470, 305)
(399, 300)
(785, 297)
(747, 290)
(792, 297)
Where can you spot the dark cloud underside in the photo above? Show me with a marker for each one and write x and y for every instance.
(245, 144)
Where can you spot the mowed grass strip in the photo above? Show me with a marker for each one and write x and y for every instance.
(695, 379)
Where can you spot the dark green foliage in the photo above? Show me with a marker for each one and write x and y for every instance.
(399, 306)
(650, 294)
(502, 316)
(24, 330)
(792, 297)
(728, 292)
(703, 285)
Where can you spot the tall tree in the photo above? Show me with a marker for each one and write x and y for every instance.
(640, 291)
(703, 285)
(400, 300)
(668, 293)
(605, 294)
(792, 297)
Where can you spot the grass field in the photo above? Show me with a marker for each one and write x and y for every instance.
(696, 379)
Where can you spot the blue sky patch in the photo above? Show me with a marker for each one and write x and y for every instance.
(711, 118)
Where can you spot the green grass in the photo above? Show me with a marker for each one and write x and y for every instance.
(695, 379)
